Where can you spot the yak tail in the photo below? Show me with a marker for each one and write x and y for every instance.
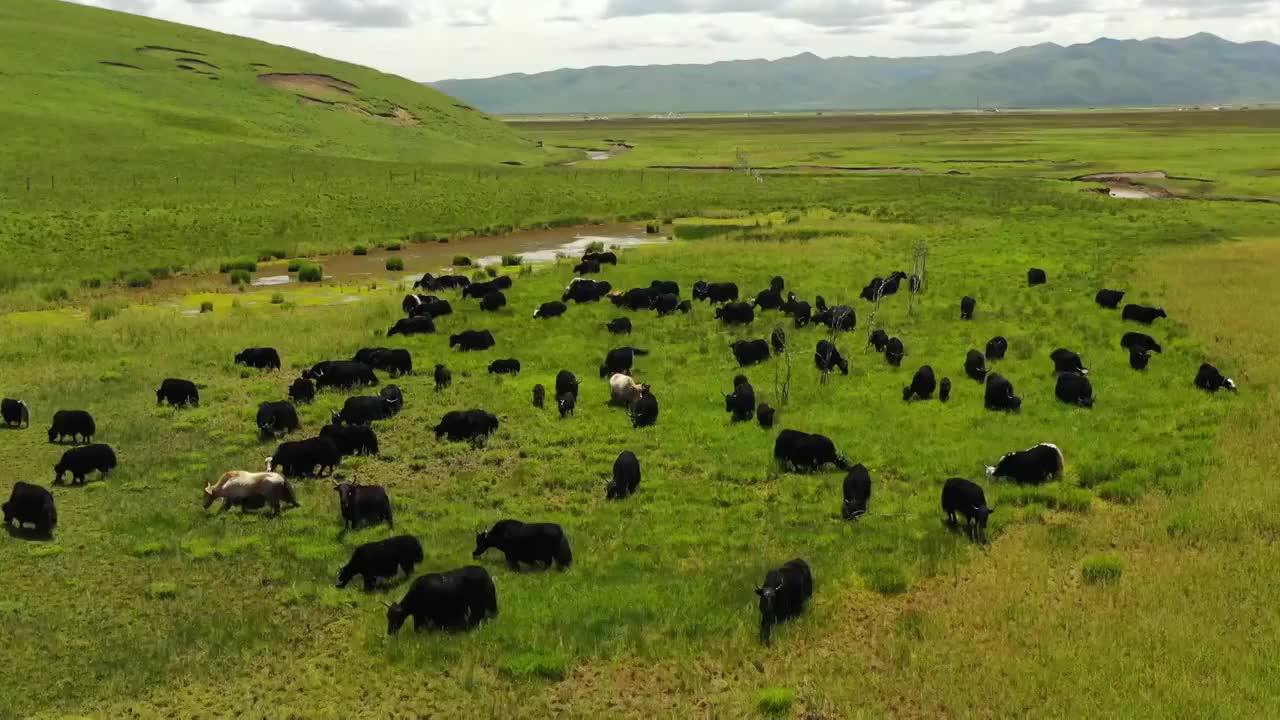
(639, 351)
(564, 556)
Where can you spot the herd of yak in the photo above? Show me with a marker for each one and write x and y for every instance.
(465, 597)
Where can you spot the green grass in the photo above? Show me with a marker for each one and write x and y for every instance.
(1102, 570)
(395, 264)
(360, 250)
(775, 701)
(242, 264)
(310, 273)
(511, 260)
(241, 277)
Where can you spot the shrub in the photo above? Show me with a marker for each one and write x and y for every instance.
(775, 701)
(652, 228)
(240, 277)
(551, 665)
(595, 246)
(886, 578)
(206, 307)
(393, 246)
(511, 260)
(1101, 569)
(277, 298)
(296, 265)
(138, 279)
(395, 264)
(461, 261)
(104, 311)
(491, 272)
(361, 250)
(310, 273)
(91, 283)
(248, 264)
(55, 293)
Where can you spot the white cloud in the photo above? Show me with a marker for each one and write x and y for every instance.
(433, 39)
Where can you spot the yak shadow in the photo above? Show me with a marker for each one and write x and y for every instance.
(5, 427)
(30, 534)
(958, 527)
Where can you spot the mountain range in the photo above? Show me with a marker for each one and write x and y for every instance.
(1199, 69)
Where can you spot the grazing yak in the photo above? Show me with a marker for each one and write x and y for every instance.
(777, 283)
(526, 543)
(443, 377)
(620, 360)
(665, 287)
(922, 385)
(800, 310)
(1036, 276)
(1031, 466)
(716, 293)
(566, 403)
(966, 497)
(840, 318)
(455, 600)
(768, 300)
(586, 267)
(1139, 359)
(482, 289)
(634, 299)
(1075, 389)
(566, 382)
(413, 300)
(276, 419)
(778, 339)
(857, 492)
(15, 413)
(1208, 378)
(305, 458)
(999, 394)
(472, 340)
(967, 307)
(783, 595)
(381, 559)
(341, 375)
(665, 304)
(428, 306)
(997, 347)
(626, 477)
(1142, 313)
(394, 396)
(975, 366)
(548, 310)
(80, 461)
(1109, 299)
(178, 393)
(351, 439)
(619, 326)
(365, 410)
(75, 424)
(827, 357)
(685, 307)
(894, 352)
(259, 358)
(1138, 341)
(33, 505)
(582, 290)
(302, 391)
(742, 403)
(248, 490)
(506, 366)
(1066, 361)
(765, 415)
(872, 290)
(539, 396)
(493, 302)
(644, 412)
(363, 505)
(806, 452)
(604, 258)
(736, 313)
(749, 352)
(471, 425)
(944, 389)
(879, 340)
(395, 362)
(444, 282)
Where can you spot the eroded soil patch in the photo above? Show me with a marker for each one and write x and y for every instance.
(118, 64)
(308, 83)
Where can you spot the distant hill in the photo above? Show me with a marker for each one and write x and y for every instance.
(83, 86)
(1199, 69)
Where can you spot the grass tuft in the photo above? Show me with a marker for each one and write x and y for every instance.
(245, 263)
(310, 273)
(241, 277)
(395, 264)
(886, 578)
(1102, 569)
(545, 664)
(138, 279)
(277, 298)
(775, 701)
(103, 311)
(512, 260)
(162, 590)
(295, 265)
(360, 250)
(461, 261)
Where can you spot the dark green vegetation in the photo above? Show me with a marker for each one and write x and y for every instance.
(1201, 69)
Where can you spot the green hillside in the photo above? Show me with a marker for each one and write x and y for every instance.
(85, 86)
(1198, 69)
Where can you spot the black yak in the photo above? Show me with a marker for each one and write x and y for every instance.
(1074, 389)
(965, 497)
(857, 492)
(783, 595)
(999, 394)
(922, 385)
(80, 461)
(381, 559)
(749, 352)
(75, 424)
(363, 505)
(1031, 466)
(259, 358)
(1208, 378)
(178, 393)
(626, 477)
(528, 543)
(31, 504)
(804, 451)
(472, 425)
(827, 357)
(15, 413)
(454, 600)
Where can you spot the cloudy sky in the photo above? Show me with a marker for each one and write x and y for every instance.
(437, 39)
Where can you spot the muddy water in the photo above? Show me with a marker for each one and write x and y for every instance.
(535, 246)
